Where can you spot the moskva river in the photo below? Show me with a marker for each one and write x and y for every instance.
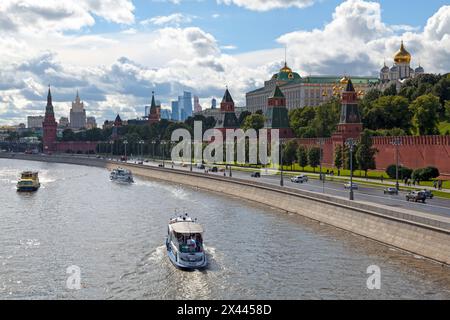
(115, 235)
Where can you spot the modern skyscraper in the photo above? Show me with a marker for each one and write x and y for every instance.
(175, 111)
(77, 114)
(186, 107)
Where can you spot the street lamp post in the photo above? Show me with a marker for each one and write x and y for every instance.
(141, 144)
(163, 143)
(397, 143)
(125, 142)
(281, 163)
(112, 149)
(321, 142)
(351, 143)
(192, 151)
(153, 150)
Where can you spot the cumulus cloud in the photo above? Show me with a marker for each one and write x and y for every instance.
(266, 5)
(55, 15)
(175, 19)
(117, 72)
(357, 41)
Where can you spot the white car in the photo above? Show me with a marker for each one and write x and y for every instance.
(300, 179)
(354, 186)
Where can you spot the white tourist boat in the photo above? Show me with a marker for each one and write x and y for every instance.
(184, 243)
(121, 175)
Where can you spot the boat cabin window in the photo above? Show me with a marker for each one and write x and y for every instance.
(190, 243)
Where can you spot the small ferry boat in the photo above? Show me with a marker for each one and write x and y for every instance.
(29, 181)
(184, 243)
(121, 175)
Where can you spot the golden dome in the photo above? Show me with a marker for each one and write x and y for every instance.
(344, 80)
(402, 56)
(286, 69)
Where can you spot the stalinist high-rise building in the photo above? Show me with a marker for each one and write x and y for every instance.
(77, 114)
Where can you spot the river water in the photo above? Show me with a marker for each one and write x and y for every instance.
(115, 235)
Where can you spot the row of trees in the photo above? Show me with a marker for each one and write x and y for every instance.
(363, 157)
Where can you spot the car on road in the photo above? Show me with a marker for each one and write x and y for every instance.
(200, 166)
(428, 193)
(161, 165)
(416, 196)
(300, 179)
(391, 190)
(140, 162)
(123, 159)
(256, 175)
(214, 169)
(353, 186)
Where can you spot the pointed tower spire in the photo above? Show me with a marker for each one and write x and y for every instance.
(49, 97)
(153, 105)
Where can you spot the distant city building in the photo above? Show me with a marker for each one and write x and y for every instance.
(213, 103)
(34, 122)
(301, 92)
(64, 122)
(166, 114)
(185, 105)
(146, 111)
(400, 71)
(77, 114)
(91, 123)
(197, 106)
(175, 111)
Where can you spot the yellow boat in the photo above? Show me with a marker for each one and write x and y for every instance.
(29, 181)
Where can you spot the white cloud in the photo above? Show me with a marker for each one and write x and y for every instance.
(266, 5)
(55, 15)
(357, 41)
(175, 19)
(117, 72)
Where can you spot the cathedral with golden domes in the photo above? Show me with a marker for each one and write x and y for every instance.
(401, 70)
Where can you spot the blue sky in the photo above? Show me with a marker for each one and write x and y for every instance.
(116, 52)
(252, 30)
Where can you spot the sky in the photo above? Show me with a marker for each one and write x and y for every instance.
(116, 52)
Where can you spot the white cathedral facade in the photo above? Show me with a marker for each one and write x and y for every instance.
(400, 71)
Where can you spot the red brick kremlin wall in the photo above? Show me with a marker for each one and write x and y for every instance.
(76, 146)
(415, 152)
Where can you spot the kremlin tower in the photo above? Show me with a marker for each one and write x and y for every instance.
(155, 111)
(277, 114)
(49, 126)
(350, 125)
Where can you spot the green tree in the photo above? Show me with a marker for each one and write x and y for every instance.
(314, 157)
(388, 112)
(68, 135)
(289, 152)
(447, 110)
(391, 90)
(254, 121)
(302, 157)
(338, 157)
(243, 116)
(365, 153)
(301, 119)
(425, 109)
(327, 118)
